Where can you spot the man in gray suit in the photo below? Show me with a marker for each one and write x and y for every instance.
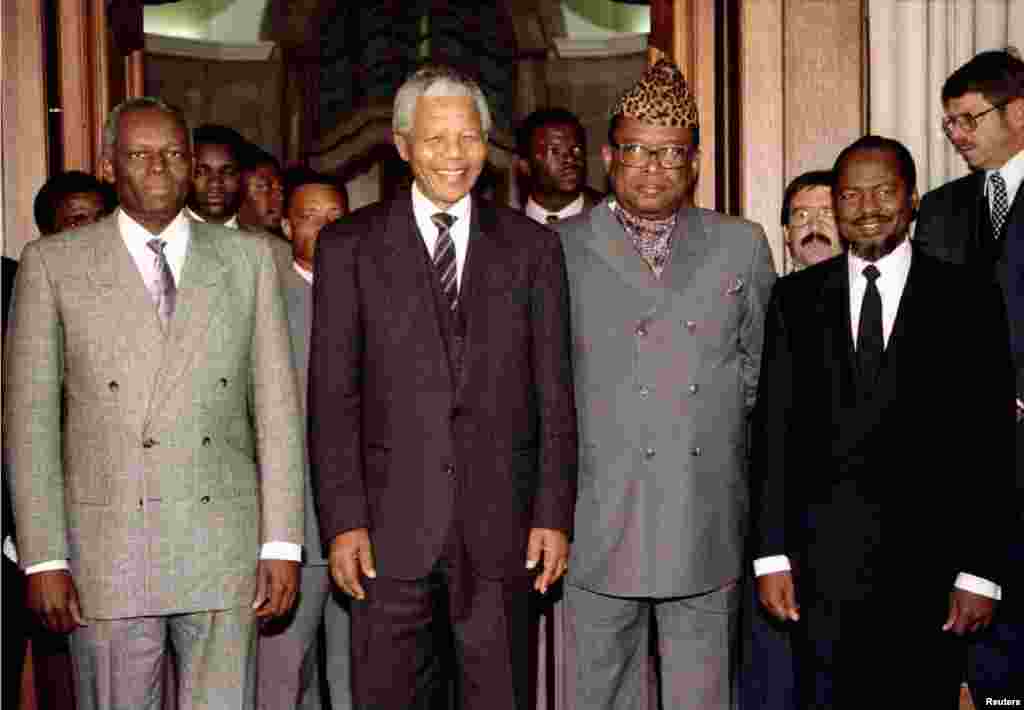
(154, 436)
(288, 653)
(668, 310)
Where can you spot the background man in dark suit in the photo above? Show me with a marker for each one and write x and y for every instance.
(979, 220)
(808, 221)
(288, 652)
(443, 426)
(71, 199)
(552, 147)
(216, 180)
(885, 373)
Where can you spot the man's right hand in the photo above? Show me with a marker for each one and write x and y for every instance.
(52, 595)
(778, 595)
(351, 555)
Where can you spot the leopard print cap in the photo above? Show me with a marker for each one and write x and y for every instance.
(661, 98)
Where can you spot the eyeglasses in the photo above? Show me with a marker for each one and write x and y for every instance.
(967, 122)
(669, 157)
(802, 216)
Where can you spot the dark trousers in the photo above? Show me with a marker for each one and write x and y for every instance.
(766, 677)
(401, 633)
(857, 654)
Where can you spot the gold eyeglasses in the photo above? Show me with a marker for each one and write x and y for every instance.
(635, 155)
(967, 122)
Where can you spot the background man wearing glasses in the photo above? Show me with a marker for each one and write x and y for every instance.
(668, 310)
(979, 220)
(808, 221)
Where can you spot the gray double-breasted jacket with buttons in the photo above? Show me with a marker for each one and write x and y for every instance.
(666, 376)
(155, 462)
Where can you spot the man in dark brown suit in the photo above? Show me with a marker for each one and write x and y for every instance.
(442, 423)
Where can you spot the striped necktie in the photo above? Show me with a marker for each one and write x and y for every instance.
(162, 290)
(444, 257)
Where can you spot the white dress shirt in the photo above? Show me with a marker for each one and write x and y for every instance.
(541, 214)
(1013, 175)
(306, 275)
(177, 235)
(894, 268)
(424, 209)
(230, 224)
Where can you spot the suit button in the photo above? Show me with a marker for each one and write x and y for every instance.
(449, 469)
(206, 441)
(695, 451)
(455, 412)
(113, 386)
(691, 325)
(204, 499)
(694, 389)
(649, 454)
(645, 391)
(223, 382)
(149, 443)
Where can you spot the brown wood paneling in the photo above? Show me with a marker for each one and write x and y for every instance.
(24, 119)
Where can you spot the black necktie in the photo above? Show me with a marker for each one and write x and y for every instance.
(552, 218)
(870, 341)
(1000, 203)
(444, 257)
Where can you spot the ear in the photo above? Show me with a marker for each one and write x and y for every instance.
(107, 170)
(695, 163)
(403, 146)
(1015, 113)
(523, 166)
(607, 155)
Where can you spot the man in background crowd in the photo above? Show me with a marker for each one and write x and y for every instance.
(216, 181)
(808, 220)
(978, 220)
(552, 147)
(668, 308)
(885, 373)
(71, 199)
(261, 204)
(288, 651)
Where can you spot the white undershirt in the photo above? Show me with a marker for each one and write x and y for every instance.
(540, 214)
(1013, 175)
(424, 209)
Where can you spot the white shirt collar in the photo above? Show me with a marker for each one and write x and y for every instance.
(423, 209)
(136, 237)
(540, 214)
(306, 274)
(1013, 175)
(230, 224)
(894, 268)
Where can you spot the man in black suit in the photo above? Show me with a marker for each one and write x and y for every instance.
(442, 426)
(979, 220)
(885, 413)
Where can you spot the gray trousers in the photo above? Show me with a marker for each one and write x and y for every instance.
(289, 671)
(119, 663)
(696, 641)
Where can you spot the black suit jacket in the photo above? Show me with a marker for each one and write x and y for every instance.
(403, 441)
(868, 496)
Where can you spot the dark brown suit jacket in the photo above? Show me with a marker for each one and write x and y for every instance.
(402, 439)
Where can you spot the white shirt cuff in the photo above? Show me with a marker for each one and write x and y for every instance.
(773, 563)
(277, 550)
(47, 566)
(978, 585)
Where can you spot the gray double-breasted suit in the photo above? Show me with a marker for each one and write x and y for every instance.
(666, 375)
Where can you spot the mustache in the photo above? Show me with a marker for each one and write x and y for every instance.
(815, 237)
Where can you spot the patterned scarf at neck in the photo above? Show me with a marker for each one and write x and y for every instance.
(652, 238)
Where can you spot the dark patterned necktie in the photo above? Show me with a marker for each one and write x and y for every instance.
(163, 290)
(444, 257)
(870, 339)
(552, 218)
(1000, 203)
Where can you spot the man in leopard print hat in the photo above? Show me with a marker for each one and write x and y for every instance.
(668, 305)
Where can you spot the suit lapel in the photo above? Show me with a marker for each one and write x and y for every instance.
(199, 293)
(690, 243)
(609, 241)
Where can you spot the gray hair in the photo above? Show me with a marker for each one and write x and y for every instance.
(436, 81)
(113, 125)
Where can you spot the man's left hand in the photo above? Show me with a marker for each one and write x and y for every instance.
(553, 547)
(968, 612)
(277, 585)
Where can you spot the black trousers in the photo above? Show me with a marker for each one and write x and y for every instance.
(402, 631)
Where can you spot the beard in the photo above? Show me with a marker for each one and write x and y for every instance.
(875, 250)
